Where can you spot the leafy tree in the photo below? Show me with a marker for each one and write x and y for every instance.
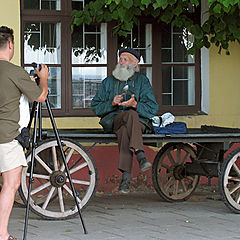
(221, 27)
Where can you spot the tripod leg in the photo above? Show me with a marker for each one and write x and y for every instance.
(32, 114)
(31, 171)
(65, 163)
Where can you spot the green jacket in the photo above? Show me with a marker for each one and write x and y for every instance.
(139, 85)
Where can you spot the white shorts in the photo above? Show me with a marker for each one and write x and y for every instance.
(11, 156)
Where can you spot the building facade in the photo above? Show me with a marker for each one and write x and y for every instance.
(200, 89)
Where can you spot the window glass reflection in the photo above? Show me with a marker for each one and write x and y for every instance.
(166, 55)
(140, 38)
(166, 79)
(147, 71)
(178, 78)
(42, 43)
(42, 4)
(85, 83)
(89, 44)
(175, 44)
(166, 37)
(178, 83)
(54, 86)
(180, 93)
(166, 99)
(78, 4)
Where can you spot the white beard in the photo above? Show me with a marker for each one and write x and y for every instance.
(123, 72)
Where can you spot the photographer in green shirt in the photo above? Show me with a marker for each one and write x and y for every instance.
(14, 81)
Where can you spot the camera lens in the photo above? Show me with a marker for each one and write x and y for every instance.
(33, 72)
(35, 65)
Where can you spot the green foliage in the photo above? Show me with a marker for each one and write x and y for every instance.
(221, 27)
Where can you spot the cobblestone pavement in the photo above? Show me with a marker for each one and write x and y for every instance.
(137, 216)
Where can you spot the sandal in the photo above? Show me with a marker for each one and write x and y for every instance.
(12, 238)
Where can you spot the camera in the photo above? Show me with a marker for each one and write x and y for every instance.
(33, 73)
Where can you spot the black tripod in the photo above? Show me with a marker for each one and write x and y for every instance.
(36, 113)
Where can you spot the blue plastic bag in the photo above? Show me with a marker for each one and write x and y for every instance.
(173, 128)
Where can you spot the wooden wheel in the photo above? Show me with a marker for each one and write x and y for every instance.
(51, 194)
(168, 173)
(230, 181)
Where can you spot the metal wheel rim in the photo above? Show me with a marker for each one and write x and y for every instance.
(63, 213)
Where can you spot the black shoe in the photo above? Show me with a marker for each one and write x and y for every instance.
(124, 187)
(144, 165)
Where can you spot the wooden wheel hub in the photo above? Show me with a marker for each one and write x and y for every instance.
(58, 179)
(178, 172)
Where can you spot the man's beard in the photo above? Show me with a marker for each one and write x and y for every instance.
(123, 72)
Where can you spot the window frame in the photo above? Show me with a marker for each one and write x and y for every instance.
(157, 65)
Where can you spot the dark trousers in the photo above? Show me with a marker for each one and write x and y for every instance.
(129, 131)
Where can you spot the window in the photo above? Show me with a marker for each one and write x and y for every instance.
(42, 4)
(179, 84)
(140, 39)
(88, 48)
(74, 75)
(42, 44)
(178, 70)
(80, 60)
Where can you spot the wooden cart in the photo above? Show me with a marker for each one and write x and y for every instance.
(177, 167)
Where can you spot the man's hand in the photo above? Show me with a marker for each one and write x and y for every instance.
(130, 103)
(43, 73)
(117, 99)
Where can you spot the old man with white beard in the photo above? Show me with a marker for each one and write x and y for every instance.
(125, 103)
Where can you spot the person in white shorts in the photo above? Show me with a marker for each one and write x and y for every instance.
(14, 81)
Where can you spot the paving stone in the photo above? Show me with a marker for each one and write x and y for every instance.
(136, 216)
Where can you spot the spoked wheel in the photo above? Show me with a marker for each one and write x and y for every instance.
(51, 194)
(169, 172)
(230, 181)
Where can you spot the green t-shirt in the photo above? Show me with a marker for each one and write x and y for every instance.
(14, 81)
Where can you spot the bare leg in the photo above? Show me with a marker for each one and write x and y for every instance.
(11, 183)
